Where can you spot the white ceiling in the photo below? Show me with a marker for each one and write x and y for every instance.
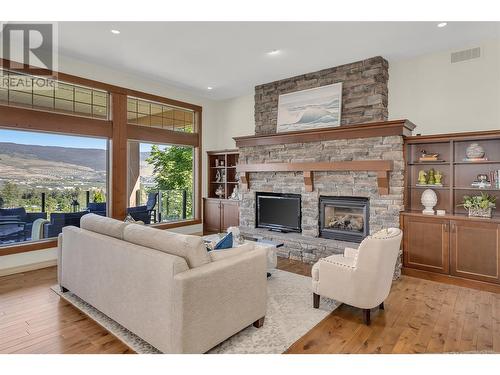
(232, 56)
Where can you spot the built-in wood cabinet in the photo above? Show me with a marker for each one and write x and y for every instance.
(219, 211)
(453, 247)
(475, 250)
(427, 244)
(220, 214)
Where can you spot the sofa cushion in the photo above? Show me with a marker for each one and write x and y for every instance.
(216, 255)
(191, 248)
(103, 225)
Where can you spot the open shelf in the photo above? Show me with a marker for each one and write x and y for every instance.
(477, 162)
(224, 163)
(430, 187)
(457, 173)
(420, 163)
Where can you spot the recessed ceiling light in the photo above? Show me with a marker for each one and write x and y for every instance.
(114, 31)
(274, 52)
(209, 88)
(442, 24)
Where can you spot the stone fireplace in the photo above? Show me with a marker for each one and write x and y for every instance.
(351, 160)
(377, 208)
(344, 218)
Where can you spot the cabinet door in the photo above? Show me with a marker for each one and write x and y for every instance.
(426, 244)
(475, 250)
(230, 214)
(211, 216)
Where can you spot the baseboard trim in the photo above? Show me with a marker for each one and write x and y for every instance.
(448, 279)
(28, 267)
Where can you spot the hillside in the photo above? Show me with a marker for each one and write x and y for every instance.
(86, 157)
(56, 167)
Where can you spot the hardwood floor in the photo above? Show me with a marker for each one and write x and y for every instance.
(420, 316)
(33, 319)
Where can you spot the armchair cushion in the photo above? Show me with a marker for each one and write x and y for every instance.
(19, 211)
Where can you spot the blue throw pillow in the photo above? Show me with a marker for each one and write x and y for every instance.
(225, 243)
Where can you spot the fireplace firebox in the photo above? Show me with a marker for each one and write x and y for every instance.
(344, 218)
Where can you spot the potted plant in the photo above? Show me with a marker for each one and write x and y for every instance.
(479, 205)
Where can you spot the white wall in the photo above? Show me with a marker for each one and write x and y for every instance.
(235, 117)
(441, 97)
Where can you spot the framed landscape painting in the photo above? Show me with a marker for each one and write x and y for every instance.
(310, 109)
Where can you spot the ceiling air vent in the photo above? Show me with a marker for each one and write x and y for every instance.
(467, 54)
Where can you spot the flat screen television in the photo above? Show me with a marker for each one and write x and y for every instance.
(279, 212)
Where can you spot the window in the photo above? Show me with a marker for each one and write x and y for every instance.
(48, 181)
(147, 113)
(160, 182)
(22, 90)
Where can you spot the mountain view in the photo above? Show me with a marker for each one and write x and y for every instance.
(52, 167)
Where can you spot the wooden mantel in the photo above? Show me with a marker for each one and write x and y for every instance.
(382, 167)
(371, 129)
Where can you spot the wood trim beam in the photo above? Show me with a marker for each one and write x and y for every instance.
(98, 85)
(119, 157)
(156, 135)
(28, 246)
(464, 136)
(35, 120)
(372, 129)
(350, 165)
(308, 181)
(382, 167)
(383, 182)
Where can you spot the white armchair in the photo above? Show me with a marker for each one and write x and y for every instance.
(360, 277)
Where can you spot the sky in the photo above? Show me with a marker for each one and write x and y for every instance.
(47, 139)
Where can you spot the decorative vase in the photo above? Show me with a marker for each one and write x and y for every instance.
(480, 212)
(429, 200)
(474, 151)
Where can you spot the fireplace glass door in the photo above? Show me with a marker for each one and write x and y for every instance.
(344, 218)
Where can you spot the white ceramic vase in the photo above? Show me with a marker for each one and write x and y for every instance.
(429, 200)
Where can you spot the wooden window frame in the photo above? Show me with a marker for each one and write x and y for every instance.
(117, 130)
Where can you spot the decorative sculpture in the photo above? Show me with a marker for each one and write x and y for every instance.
(431, 179)
(422, 177)
(438, 177)
(429, 200)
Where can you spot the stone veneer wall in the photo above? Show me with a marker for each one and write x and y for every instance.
(307, 247)
(364, 93)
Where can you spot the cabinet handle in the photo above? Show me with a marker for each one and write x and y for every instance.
(453, 228)
(446, 227)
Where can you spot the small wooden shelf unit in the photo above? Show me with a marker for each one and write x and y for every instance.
(221, 213)
(229, 160)
(452, 248)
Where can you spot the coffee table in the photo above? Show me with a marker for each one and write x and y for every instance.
(270, 246)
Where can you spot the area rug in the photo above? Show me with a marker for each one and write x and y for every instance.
(289, 316)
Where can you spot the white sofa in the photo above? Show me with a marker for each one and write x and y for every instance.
(360, 277)
(162, 286)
